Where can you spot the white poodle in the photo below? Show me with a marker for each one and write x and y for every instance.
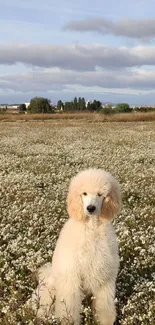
(85, 260)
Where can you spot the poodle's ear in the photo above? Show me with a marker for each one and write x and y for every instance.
(112, 202)
(74, 204)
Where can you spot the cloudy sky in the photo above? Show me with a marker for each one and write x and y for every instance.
(103, 49)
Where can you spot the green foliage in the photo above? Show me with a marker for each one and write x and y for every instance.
(43, 105)
(122, 108)
(60, 105)
(94, 106)
(81, 104)
(68, 106)
(40, 105)
(3, 109)
(22, 108)
(144, 109)
(107, 110)
(89, 106)
(75, 105)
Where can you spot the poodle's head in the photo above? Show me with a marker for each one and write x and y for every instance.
(93, 193)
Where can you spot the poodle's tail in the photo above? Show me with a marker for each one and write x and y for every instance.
(45, 272)
(42, 300)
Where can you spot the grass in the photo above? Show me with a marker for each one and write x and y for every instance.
(94, 117)
(37, 161)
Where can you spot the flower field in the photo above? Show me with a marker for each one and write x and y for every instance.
(37, 161)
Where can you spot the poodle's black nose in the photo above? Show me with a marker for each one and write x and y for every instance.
(91, 208)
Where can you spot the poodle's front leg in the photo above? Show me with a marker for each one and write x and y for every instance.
(104, 304)
(68, 300)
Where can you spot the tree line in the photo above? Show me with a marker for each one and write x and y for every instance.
(43, 105)
(79, 104)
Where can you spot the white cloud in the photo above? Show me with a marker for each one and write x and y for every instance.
(77, 57)
(142, 29)
(135, 81)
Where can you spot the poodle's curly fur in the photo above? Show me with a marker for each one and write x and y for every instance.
(85, 260)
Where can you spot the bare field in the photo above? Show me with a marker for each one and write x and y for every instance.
(37, 160)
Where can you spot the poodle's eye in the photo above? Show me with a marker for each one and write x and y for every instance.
(99, 194)
(84, 193)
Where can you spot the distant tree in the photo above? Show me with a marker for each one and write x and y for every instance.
(81, 104)
(60, 105)
(144, 109)
(75, 103)
(94, 106)
(68, 106)
(122, 108)
(40, 105)
(22, 108)
(71, 105)
(89, 106)
(97, 105)
(107, 110)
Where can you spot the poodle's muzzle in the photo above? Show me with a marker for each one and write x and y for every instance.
(91, 208)
(92, 203)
